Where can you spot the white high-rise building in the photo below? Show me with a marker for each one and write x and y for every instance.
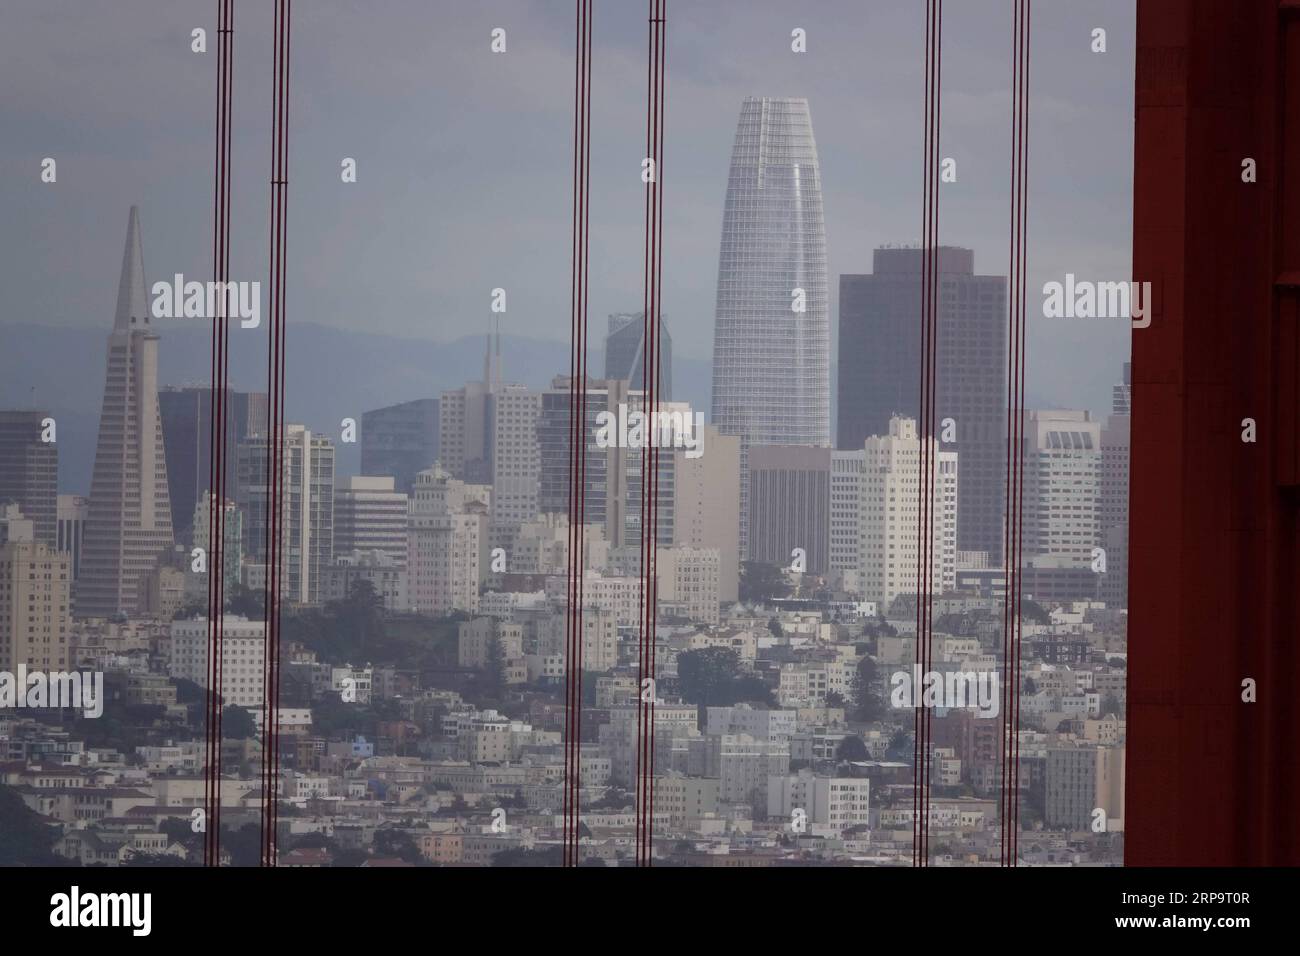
(242, 657)
(846, 495)
(129, 524)
(1113, 503)
(307, 508)
(514, 456)
(831, 804)
(447, 543)
(370, 515)
(232, 548)
(889, 514)
(1063, 459)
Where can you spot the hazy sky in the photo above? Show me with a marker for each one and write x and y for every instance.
(465, 157)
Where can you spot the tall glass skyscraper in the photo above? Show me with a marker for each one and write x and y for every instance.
(771, 332)
(771, 337)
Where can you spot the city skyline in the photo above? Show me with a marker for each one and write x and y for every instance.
(418, 286)
(441, 631)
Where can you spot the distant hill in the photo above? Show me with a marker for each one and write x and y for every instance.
(332, 374)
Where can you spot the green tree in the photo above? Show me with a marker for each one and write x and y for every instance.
(870, 706)
(237, 723)
(761, 582)
(1033, 611)
(851, 748)
(900, 746)
(245, 602)
(398, 843)
(712, 676)
(244, 845)
(25, 838)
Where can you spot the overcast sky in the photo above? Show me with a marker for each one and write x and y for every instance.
(465, 157)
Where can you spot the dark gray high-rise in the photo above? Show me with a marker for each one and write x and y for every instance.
(400, 441)
(880, 372)
(186, 413)
(625, 348)
(29, 470)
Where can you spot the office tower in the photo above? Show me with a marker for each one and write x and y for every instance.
(706, 508)
(187, 438)
(1063, 461)
(72, 513)
(554, 443)
(625, 353)
(400, 440)
(243, 654)
(29, 469)
(464, 424)
(1113, 506)
(129, 525)
(771, 361)
(488, 436)
(1062, 485)
(669, 419)
(307, 508)
(845, 557)
(771, 338)
(232, 548)
(514, 461)
(789, 504)
(880, 373)
(889, 514)
(1121, 393)
(35, 607)
(447, 545)
(612, 496)
(370, 515)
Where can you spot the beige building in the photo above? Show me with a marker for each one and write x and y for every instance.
(681, 801)
(599, 639)
(447, 543)
(706, 504)
(689, 582)
(35, 617)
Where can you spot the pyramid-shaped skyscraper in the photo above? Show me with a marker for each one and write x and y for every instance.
(129, 523)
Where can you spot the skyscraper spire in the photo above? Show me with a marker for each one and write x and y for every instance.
(129, 522)
(132, 301)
